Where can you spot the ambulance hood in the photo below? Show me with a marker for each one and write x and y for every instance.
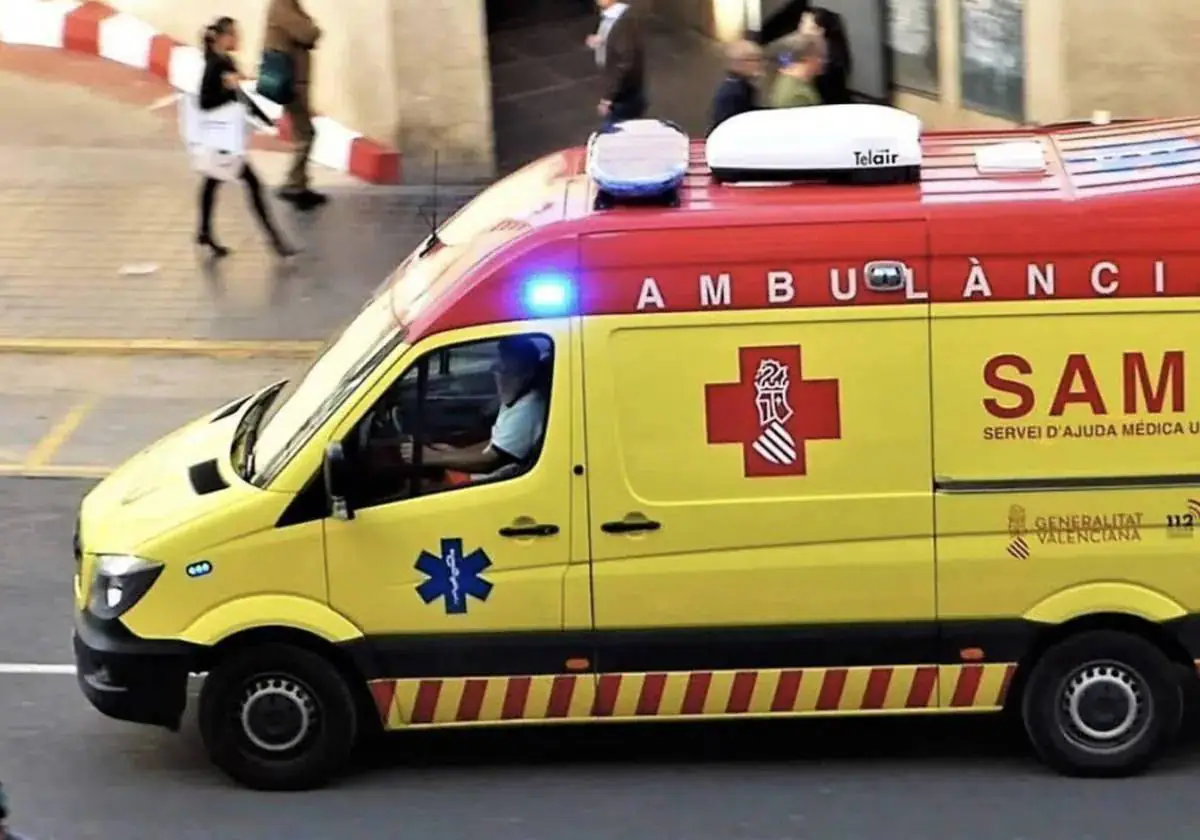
(184, 476)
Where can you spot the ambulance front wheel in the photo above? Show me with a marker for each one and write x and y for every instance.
(1102, 704)
(277, 717)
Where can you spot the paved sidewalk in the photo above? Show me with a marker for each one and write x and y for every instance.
(98, 209)
(98, 213)
(81, 417)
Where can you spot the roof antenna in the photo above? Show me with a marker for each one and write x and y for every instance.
(433, 240)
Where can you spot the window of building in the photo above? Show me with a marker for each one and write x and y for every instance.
(993, 57)
(913, 45)
(462, 415)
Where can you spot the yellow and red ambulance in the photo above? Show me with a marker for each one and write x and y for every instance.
(833, 418)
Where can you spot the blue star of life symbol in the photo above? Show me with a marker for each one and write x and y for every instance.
(453, 576)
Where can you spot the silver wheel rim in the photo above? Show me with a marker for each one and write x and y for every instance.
(277, 690)
(1087, 695)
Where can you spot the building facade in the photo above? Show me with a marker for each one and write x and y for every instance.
(995, 63)
(421, 75)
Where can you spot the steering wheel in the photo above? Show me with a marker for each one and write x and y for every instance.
(385, 422)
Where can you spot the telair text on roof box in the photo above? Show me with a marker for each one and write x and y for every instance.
(876, 157)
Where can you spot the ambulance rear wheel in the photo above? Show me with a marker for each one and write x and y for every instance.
(1102, 704)
(277, 717)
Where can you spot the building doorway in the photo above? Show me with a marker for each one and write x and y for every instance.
(545, 84)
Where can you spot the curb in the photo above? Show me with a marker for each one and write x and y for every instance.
(94, 28)
(64, 472)
(160, 347)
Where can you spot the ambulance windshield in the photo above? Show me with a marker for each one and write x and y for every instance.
(308, 398)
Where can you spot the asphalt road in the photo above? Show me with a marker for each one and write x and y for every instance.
(73, 774)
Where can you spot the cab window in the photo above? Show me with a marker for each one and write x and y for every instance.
(462, 415)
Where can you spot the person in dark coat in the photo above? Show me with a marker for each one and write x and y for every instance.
(738, 93)
(291, 30)
(833, 83)
(621, 55)
(220, 85)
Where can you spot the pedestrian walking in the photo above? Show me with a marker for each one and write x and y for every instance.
(621, 56)
(833, 82)
(293, 34)
(795, 83)
(737, 92)
(219, 86)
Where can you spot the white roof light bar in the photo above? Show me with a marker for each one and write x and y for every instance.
(638, 162)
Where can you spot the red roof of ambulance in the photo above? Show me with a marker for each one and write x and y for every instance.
(1132, 164)
(1082, 162)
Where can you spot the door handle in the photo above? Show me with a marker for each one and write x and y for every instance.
(628, 526)
(529, 531)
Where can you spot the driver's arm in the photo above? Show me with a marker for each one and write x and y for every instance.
(513, 438)
(479, 457)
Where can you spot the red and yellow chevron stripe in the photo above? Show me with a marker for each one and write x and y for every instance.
(701, 694)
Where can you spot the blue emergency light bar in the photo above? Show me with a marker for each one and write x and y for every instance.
(638, 162)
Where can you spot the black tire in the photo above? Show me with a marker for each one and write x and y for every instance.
(294, 757)
(1189, 724)
(1145, 705)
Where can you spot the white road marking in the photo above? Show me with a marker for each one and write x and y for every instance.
(34, 668)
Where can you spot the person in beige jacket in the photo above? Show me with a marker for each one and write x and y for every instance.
(292, 30)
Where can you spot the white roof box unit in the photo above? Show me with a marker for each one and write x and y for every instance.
(871, 144)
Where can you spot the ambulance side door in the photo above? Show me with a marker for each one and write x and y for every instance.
(759, 485)
(457, 580)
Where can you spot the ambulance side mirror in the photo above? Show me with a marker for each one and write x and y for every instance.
(337, 482)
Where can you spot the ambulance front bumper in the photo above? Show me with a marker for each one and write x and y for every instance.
(128, 678)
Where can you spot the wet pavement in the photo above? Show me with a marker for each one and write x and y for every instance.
(98, 208)
(99, 212)
(99, 243)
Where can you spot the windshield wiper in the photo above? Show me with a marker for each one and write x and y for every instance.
(249, 459)
(247, 432)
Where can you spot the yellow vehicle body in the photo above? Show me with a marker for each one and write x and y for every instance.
(963, 490)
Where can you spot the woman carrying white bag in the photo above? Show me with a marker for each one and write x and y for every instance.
(218, 136)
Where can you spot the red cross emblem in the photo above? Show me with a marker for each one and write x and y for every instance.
(772, 411)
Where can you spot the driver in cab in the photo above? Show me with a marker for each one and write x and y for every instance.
(518, 425)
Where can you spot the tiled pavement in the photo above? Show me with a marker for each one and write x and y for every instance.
(101, 247)
(98, 206)
(98, 213)
(97, 216)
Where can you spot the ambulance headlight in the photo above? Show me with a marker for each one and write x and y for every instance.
(549, 295)
(121, 581)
